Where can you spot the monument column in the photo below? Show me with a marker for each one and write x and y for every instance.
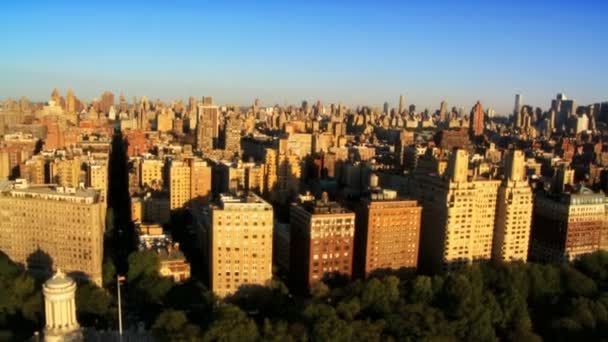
(60, 309)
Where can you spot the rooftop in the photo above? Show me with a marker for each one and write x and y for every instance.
(244, 198)
(322, 205)
(20, 188)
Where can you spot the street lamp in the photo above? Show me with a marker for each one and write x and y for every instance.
(119, 279)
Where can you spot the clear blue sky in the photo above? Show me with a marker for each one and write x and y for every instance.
(285, 51)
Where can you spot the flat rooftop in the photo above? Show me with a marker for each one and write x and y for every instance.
(48, 191)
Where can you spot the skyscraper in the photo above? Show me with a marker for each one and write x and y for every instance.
(443, 112)
(70, 102)
(107, 101)
(513, 212)
(55, 96)
(401, 104)
(239, 243)
(476, 123)
(517, 110)
(564, 108)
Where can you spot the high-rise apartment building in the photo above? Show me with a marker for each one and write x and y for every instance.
(283, 171)
(322, 241)
(387, 233)
(239, 243)
(67, 171)
(151, 173)
(238, 176)
(232, 133)
(566, 225)
(458, 216)
(5, 167)
(164, 121)
(513, 211)
(47, 228)
(207, 128)
(300, 144)
(97, 176)
(189, 182)
(33, 170)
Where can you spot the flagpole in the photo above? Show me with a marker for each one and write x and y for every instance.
(119, 309)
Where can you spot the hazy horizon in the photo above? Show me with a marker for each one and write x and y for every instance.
(360, 53)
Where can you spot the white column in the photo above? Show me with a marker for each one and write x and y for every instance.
(53, 315)
(64, 318)
(73, 312)
(68, 313)
(61, 309)
(47, 313)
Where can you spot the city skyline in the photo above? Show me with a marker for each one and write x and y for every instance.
(358, 55)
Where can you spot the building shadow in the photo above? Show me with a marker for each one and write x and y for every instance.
(262, 302)
(39, 263)
(79, 276)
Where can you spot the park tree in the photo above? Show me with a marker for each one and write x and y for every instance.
(277, 331)
(173, 325)
(231, 324)
(108, 273)
(142, 264)
(94, 306)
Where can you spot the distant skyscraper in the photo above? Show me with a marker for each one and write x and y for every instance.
(123, 106)
(71, 102)
(107, 101)
(55, 96)
(518, 104)
(207, 100)
(385, 109)
(443, 111)
(476, 123)
(491, 113)
(192, 105)
(564, 108)
(401, 104)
